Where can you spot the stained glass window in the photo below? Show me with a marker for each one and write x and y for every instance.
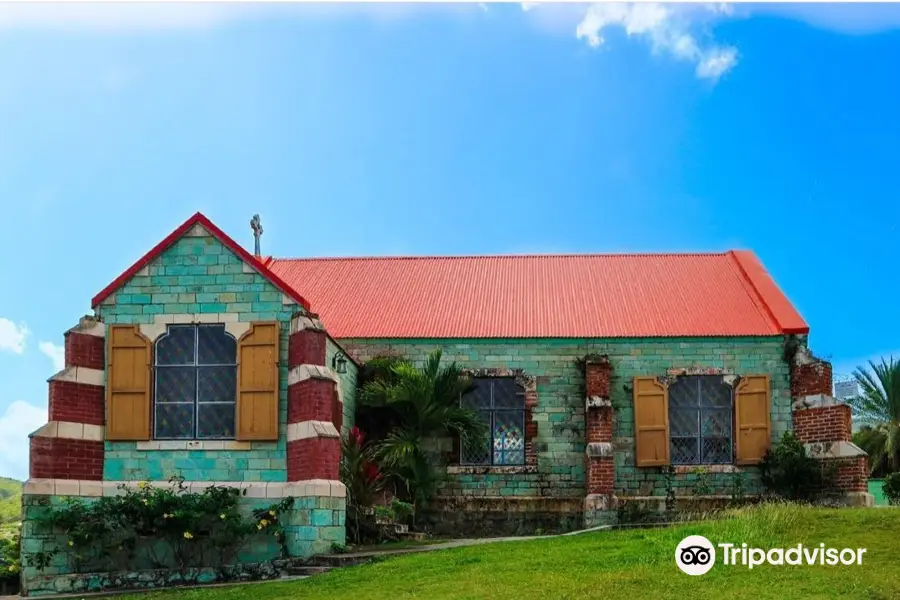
(196, 383)
(701, 412)
(500, 402)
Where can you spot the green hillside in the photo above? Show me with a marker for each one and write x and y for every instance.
(10, 501)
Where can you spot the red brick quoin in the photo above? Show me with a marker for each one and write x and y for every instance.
(62, 458)
(601, 477)
(84, 350)
(810, 376)
(76, 402)
(313, 458)
(823, 424)
(598, 426)
(306, 347)
(311, 400)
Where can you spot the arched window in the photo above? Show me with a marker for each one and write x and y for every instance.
(500, 402)
(195, 391)
(701, 413)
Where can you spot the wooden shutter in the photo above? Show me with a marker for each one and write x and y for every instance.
(651, 422)
(257, 389)
(128, 384)
(337, 409)
(752, 405)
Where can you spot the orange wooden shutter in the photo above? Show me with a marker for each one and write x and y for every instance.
(128, 384)
(752, 405)
(257, 390)
(651, 422)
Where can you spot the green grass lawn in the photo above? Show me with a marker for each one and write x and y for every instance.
(619, 565)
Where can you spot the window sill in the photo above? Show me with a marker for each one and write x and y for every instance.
(685, 469)
(491, 470)
(192, 445)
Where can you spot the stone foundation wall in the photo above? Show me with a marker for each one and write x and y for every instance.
(509, 516)
(311, 527)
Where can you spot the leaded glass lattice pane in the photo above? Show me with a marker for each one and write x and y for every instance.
(477, 451)
(716, 451)
(500, 402)
(684, 451)
(683, 393)
(509, 437)
(215, 346)
(714, 392)
(507, 394)
(176, 384)
(479, 395)
(194, 401)
(177, 346)
(716, 422)
(217, 384)
(215, 420)
(700, 420)
(683, 423)
(175, 421)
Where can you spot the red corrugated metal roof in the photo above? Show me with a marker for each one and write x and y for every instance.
(574, 296)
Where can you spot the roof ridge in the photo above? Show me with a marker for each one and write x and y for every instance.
(274, 259)
(758, 300)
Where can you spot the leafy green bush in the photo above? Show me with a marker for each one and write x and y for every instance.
(892, 488)
(9, 555)
(789, 473)
(170, 526)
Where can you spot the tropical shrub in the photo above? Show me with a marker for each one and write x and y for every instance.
(892, 488)
(363, 479)
(878, 407)
(168, 526)
(416, 405)
(789, 473)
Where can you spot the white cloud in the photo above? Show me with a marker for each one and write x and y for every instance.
(19, 420)
(56, 353)
(668, 29)
(12, 336)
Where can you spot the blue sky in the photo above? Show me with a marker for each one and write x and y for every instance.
(445, 129)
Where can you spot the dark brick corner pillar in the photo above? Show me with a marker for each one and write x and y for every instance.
(599, 467)
(824, 426)
(313, 440)
(70, 446)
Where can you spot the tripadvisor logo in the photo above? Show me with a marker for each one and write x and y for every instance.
(696, 555)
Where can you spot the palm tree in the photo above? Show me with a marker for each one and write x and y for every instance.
(419, 405)
(878, 408)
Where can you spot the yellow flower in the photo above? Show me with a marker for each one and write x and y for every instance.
(264, 522)
(272, 513)
(71, 543)
(222, 516)
(188, 535)
(143, 485)
(259, 527)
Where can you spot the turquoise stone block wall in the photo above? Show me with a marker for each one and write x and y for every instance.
(200, 275)
(311, 527)
(560, 441)
(347, 383)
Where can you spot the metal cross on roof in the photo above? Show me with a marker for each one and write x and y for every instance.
(256, 226)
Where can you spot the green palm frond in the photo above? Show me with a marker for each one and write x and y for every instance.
(878, 406)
